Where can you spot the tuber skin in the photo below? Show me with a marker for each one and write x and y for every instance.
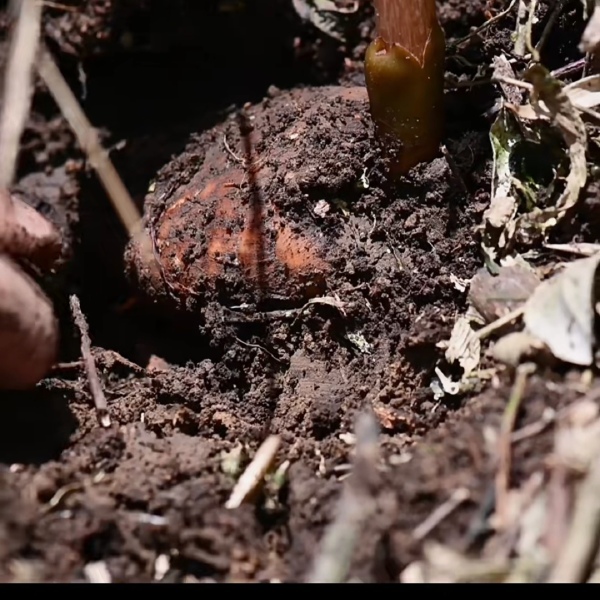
(28, 326)
(404, 72)
(209, 249)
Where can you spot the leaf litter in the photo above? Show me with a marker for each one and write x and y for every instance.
(548, 528)
(551, 523)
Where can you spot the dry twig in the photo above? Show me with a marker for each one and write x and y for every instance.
(17, 86)
(579, 550)
(440, 513)
(254, 474)
(332, 562)
(97, 156)
(90, 366)
(505, 441)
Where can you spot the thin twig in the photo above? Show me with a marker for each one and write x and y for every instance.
(231, 152)
(108, 358)
(550, 24)
(440, 513)
(548, 417)
(559, 73)
(501, 322)
(332, 561)
(484, 26)
(248, 345)
(505, 442)
(89, 142)
(17, 86)
(255, 472)
(570, 69)
(511, 81)
(90, 366)
(579, 550)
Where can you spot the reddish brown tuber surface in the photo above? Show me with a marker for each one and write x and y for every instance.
(29, 331)
(404, 71)
(230, 233)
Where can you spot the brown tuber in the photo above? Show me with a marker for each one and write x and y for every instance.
(404, 71)
(241, 229)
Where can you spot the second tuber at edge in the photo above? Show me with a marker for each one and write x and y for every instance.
(404, 72)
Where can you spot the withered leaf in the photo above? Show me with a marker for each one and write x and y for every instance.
(497, 295)
(561, 312)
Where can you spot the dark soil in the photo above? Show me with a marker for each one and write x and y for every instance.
(235, 121)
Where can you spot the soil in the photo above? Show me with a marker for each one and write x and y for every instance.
(202, 354)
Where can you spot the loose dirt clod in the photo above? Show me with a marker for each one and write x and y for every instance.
(29, 336)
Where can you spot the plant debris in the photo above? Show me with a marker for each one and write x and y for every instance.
(90, 366)
(561, 312)
(518, 213)
(494, 296)
(252, 478)
(354, 508)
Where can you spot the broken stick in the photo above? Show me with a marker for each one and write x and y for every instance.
(90, 366)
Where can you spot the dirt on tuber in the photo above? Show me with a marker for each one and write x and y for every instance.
(404, 72)
(242, 228)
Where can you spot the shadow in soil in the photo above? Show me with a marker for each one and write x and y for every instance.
(35, 426)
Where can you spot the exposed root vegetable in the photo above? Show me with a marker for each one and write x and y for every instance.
(228, 233)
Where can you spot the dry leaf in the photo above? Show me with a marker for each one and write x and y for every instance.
(583, 94)
(591, 35)
(390, 419)
(444, 385)
(567, 119)
(525, 20)
(561, 312)
(503, 70)
(459, 283)
(323, 14)
(497, 219)
(464, 346)
(330, 301)
(516, 348)
(494, 296)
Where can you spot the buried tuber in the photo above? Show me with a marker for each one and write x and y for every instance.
(404, 72)
(241, 227)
